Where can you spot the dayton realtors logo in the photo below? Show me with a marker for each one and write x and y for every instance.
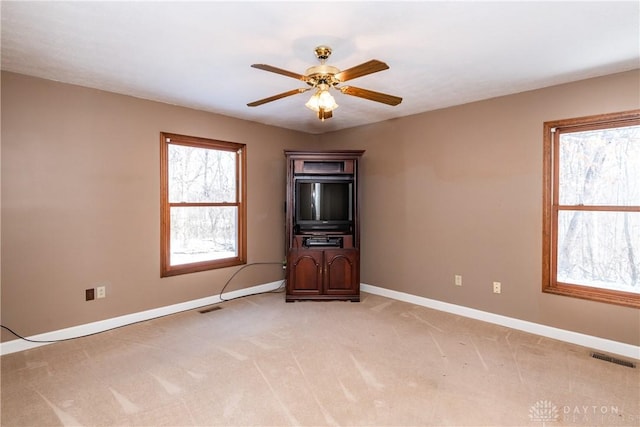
(544, 411)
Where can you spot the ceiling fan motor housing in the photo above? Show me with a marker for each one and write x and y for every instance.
(322, 74)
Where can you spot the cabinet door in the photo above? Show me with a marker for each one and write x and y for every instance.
(341, 272)
(304, 272)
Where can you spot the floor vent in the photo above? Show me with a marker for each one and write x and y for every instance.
(210, 309)
(613, 360)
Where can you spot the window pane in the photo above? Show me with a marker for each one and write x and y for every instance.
(599, 249)
(201, 174)
(600, 167)
(203, 234)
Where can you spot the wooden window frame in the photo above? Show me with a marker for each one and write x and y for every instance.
(166, 269)
(551, 207)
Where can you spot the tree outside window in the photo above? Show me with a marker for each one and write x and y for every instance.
(203, 204)
(591, 240)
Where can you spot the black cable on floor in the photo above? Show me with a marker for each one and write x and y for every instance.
(277, 290)
(238, 271)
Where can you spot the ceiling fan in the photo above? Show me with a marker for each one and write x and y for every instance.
(324, 77)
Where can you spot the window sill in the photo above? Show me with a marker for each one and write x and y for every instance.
(626, 299)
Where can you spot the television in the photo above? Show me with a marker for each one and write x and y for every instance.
(323, 205)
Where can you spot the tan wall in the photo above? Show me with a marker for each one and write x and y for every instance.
(454, 191)
(459, 191)
(81, 195)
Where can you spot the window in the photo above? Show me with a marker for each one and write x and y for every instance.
(591, 226)
(203, 204)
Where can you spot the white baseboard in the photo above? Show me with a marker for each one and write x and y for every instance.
(589, 341)
(116, 322)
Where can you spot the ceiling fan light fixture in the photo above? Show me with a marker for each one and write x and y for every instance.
(321, 101)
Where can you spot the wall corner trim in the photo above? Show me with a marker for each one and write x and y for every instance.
(14, 346)
(584, 340)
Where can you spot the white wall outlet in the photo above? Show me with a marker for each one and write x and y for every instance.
(101, 291)
(497, 288)
(457, 280)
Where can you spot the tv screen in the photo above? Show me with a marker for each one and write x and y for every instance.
(324, 201)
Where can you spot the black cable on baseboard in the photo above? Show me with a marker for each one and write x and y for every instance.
(277, 290)
(64, 339)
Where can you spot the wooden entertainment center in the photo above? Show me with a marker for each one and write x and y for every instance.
(322, 225)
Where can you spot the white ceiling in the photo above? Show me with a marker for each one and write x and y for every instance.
(198, 54)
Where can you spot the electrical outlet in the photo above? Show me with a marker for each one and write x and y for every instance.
(458, 280)
(101, 292)
(497, 288)
(89, 294)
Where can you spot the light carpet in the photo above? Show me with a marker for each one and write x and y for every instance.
(259, 361)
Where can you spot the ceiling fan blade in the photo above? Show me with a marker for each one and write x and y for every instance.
(276, 97)
(369, 67)
(370, 95)
(277, 70)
